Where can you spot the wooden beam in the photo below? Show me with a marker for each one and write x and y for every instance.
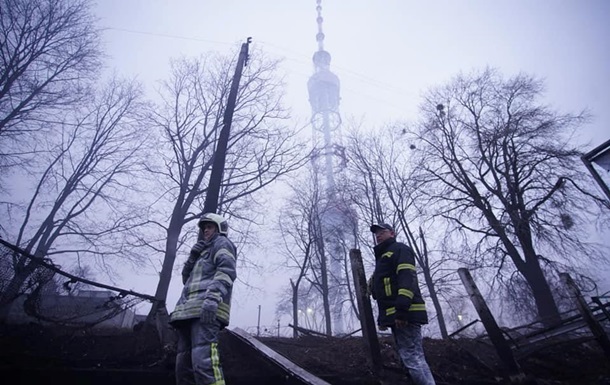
(308, 331)
(369, 330)
(493, 330)
(292, 370)
(596, 328)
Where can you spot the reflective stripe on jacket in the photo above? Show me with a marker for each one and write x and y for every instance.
(394, 284)
(210, 275)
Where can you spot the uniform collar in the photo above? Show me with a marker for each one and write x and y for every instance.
(380, 248)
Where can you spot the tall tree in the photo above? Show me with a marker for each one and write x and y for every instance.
(317, 232)
(298, 242)
(77, 203)
(502, 168)
(49, 54)
(261, 148)
(381, 178)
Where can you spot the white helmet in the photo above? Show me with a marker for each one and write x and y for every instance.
(219, 221)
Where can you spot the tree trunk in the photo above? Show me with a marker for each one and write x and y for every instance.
(533, 274)
(437, 305)
(295, 308)
(325, 293)
(12, 291)
(23, 271)
(171, 246)
(545, 302)
(529, 267)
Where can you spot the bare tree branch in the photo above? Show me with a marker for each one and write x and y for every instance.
(496, 162)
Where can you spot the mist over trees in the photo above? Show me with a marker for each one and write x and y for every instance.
(296, 222)
(488, 179)
(49, 54)
(77, 203)
(501, 169)
(67, 145)
(100, 167)
(382, 187)
(323, 285)
(262, 146)
(93, 172)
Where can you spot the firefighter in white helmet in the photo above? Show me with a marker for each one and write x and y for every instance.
(205, 303)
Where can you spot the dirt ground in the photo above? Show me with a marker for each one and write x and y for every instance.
(336, 360)
(459, 361)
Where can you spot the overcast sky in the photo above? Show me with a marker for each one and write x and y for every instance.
(386, 53)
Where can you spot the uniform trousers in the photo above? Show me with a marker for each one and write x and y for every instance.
(411, 351)
(197, 359)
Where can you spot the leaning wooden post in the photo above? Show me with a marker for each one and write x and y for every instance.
(493, 330)
(597, 329)
(369, 331)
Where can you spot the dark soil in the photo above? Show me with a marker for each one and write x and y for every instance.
(459, 361)
(36, 355)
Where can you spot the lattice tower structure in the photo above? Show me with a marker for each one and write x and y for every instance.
(329, 161)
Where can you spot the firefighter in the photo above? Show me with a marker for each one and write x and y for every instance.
(401, 306)
(204, 306)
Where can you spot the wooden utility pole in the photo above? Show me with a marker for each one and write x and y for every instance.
(211, 198)
(369, 331)
(158, 312)
(493, 330)
(258, 326)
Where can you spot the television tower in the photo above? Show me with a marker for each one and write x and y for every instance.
(328, 162)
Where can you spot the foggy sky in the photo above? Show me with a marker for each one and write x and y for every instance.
(386, 53)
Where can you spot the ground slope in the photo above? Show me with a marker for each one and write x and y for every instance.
(34, 353)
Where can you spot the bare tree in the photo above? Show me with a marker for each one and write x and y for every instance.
(502, 169)
(298, 245)
(311, 225)
(77, 203)
(49, 54)
(381, 179)
(261, 148)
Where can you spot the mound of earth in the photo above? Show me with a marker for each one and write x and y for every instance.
(454, 361)
(34, 354)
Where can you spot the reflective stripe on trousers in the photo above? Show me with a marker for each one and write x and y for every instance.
(411, 352)
(197, 360)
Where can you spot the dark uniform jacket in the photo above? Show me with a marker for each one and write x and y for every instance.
(394, 284)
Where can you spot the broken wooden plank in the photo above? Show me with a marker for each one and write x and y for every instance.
(308, 332)
(279, 360)
(595, 327)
